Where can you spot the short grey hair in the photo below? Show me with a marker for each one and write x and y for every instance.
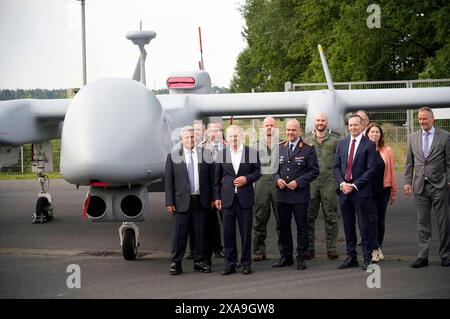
(236, 127)
(427, 109)
(185, 129)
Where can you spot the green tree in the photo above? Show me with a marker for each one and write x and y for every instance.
(282, 37)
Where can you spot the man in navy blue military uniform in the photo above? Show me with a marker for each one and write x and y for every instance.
(298, 167)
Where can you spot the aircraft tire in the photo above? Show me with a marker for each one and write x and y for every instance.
(129, 247)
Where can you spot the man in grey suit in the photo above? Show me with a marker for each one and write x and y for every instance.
(427, 174)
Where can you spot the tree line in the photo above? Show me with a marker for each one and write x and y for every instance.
(33, 94)
(411, 41)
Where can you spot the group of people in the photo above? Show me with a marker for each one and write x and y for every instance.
(295, 178)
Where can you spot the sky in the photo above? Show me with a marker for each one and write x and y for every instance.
(40, 40)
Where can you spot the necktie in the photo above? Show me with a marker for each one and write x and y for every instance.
(426, 147)
(216, 149)
(191, 172)
(348, 171)
(291, 149)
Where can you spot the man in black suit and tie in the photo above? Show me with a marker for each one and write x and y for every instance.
(188, 181)
(237, 168)
(298, 167)
(354, 166)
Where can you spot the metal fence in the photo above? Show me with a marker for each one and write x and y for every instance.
(397, 124)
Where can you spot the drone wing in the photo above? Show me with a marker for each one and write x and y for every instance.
(29, 121)
(379, 99)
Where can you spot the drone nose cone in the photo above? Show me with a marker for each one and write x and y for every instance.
(111, 133)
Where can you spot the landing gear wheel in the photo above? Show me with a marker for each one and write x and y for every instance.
(129, 246)
(42, 207)
(43, 211)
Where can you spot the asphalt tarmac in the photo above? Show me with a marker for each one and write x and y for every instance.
(37, 260)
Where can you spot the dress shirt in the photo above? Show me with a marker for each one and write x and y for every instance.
(187, 160)
(236, 160)
(430, 137)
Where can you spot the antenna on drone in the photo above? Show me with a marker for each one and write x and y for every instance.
(326, 70)
(201, 65)
(141, 38)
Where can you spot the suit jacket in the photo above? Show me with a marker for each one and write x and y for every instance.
(363, 168)
(224, 188)
(436, 167)
(176, 185)
(302, 166)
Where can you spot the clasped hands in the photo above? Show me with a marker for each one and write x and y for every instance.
(282, 184)
(238, 182)
(347, 188)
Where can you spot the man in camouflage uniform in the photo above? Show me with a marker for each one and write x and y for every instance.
(323, 188)
(265, 188)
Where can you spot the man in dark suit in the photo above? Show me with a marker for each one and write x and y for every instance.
(188, 181)
(237, 168)
(427, 173)
(298, 167)
(213, 238)
(354, 166)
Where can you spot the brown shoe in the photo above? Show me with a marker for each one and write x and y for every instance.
(332, 255)
(259, 257)
(311, 254)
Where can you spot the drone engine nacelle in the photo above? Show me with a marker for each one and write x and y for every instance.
(123, 204)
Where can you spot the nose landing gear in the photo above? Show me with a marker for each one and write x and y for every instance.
(129, 240)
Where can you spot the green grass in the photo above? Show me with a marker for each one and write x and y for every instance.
(9, 176)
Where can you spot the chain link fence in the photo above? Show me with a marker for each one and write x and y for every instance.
(397, 125)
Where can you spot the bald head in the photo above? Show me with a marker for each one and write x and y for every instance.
(321, 122)
(293, 130)
(269, 124)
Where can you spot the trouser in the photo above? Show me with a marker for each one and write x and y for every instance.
(327, 197)
(265, 202)
(182, 222)
(438, 199)
(213, 241)
(285, 213)
(357, 209)
(244, 217)
(381, 202)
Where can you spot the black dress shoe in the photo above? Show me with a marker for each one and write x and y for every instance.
(226, 272)
(201, 267)
(420, 262)
(283, 262)
(349, 263)
(445, 262)
(175, 269)
(367, 262)
(246, 270)
(301, 265)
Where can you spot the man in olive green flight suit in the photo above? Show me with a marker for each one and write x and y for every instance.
(265, 188)
(323, 187)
